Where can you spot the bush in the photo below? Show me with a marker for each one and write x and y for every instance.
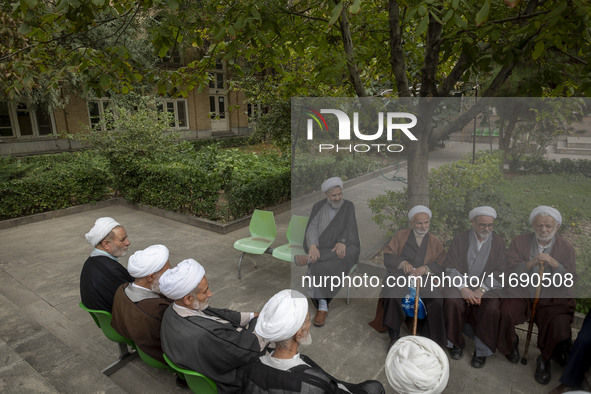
(454, 190)
(55, 182)
(224, 143)
(540, 165)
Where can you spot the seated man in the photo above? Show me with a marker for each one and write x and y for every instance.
(579, 361)
(412, 252)
(331, 243)
(211, 341)
(137, 306)
(556, 306)
(474, 254)
(285, 321)
(102, 274)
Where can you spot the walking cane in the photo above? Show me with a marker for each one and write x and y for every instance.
(415, 317)
(530, 327)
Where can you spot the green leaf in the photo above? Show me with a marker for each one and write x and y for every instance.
(336, 12)
(104, 81)
(482, 15)
(355, 7)
(24, 29)
(173, 4)
(538, 50)
(422, 25)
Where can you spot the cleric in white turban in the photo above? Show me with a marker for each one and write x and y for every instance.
(419, 209)
(215, 342)
(547, 211)
(483, 211)
(181, 280)
(145, 262)
(331, 183)
(102, 228)
(282, 316)
(416, 364)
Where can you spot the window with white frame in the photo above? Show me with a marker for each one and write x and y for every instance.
(24, 120)
(177, 108)
(97, 109)
(254, 111)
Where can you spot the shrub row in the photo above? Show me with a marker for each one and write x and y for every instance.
(223, 143)
(47, 184)
(541, 165)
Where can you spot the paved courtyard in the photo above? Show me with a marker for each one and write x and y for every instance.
(49, 345)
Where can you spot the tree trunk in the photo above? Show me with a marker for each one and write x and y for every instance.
(418, 172)
(396, 53)
(350, 54)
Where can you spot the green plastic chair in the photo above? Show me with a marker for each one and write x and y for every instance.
(152, 362)
(296, 232)
(197, 382)
(485, 133)
(103, 321)
(262, 234)
(495, 133)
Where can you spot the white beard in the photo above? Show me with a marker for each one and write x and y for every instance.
(307, 341)
(420, 233)
(336, 205)
(199, 306)
(548, 238)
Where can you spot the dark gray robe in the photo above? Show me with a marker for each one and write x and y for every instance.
(210, 347)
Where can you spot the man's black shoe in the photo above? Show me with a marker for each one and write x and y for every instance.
(478, 362)
(514, 355)
(561, 352)
(182, 383)
(543, 374)
(456, 353)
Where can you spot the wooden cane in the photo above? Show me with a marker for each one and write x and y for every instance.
(415, 317)
(530, 327)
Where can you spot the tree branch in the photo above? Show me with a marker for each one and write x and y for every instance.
(396, 54)
(350, 55)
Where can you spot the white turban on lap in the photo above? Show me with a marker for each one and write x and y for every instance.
(417, 365)
(145, 262)
(102, 228)
(552, 212)
(483, 211)
(330, 183)
(282, 316)
(419, 209)
(179, 281)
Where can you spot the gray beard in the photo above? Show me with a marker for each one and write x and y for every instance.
(199, 306)
(336, 205)
(307, 341)
(548, 238)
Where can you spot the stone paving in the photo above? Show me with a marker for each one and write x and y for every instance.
(49, 345)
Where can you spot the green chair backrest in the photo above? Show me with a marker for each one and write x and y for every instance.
(262, 224)
(296, 230)
(152, 362)
(103, 320)
(197, 382)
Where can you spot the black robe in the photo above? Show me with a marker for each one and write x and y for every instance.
(210, 347)
(99, 280)
(343, 227)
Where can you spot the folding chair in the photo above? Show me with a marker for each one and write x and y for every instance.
(197, 382)
(262, 234)
(103, 321)
(296, 232)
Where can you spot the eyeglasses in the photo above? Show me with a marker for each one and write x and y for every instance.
(484, 225)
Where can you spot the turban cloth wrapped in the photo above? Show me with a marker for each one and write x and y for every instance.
(282, 316)
(483, 211)
(417, 365)
(102, 228)
(418, 209)
(179, 281)
(553, 212)
(145, 262)
(330, 183)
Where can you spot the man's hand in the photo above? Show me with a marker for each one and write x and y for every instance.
(545, 258)
(340, 249)
(470, 296)
(422, 270)
(407, 268)
(313, 253)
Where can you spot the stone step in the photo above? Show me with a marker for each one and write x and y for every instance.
(578, 142)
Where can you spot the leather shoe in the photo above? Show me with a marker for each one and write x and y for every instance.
(561, 352)
(542, 374)
(320, 318)
(514, 355)
(392, 342)
(478, 362)
(456, 353)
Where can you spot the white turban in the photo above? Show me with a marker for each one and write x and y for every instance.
(330, 183)
(553, 212)
(179, 281)
(417, 365)
(282, 316)
(483, 211)
(145, 262)
(102, 228)
(419, 209)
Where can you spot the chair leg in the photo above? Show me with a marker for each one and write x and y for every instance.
(124, 357)
(239, 264)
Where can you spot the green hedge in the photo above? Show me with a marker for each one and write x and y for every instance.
(50, 183)
(540, 165)
(223, 143)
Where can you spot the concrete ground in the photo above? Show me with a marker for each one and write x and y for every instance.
(48, 344)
